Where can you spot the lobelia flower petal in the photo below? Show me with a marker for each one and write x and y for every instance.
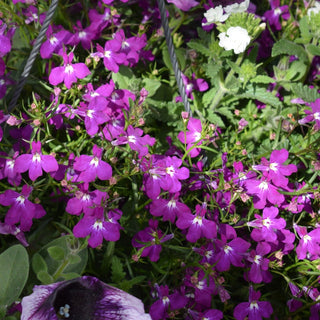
(49, 163)
(57, 75)
(84, 298)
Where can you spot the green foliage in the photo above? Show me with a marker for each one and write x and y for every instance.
(61, 259)
(14, 271)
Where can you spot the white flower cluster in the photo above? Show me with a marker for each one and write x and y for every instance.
(235, 38)
(315, 8)
(221, 14)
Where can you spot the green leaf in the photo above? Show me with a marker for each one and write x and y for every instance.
(69, 248)
(258, 93)
(38, 263)
(305, 92)
(45, 277)
(123, 78)
(56, 253)
(215, 119)
(151, 85)
(289, 48)
(262, 79)
(199, 47)
(70, 275)
(313, 49)
(117, 273)
(14, 271)
(212, 71)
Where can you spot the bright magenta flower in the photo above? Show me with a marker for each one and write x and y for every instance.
(35, 162)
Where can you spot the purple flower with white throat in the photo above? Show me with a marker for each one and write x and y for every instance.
(21, 209)
(35, 162)
(193, 84)
(312, 115)
(111, 55)
(198, 226)
(69, 73)
(149, 240)
(309, 244)
(267, 225)
(92, 167)
(276, 169)
(192, 136)
(99, 226)
(273, 16)
(254, 309)
(263, 192)
(82, 299)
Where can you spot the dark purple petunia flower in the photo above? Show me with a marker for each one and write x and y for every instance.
(85, 298)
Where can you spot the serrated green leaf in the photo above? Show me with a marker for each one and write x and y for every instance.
(290, 48)
(313, 49)
(262, 79)
(225, 111)
(208, 96)
(14, 271)
(38, 263)
(199, 47)
(56, 253)
(212, 70)
(305, 92)
(214, 118)
(117, 273)
(258, 93)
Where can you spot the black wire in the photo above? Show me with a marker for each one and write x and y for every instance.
(33, 54)
(173, 56)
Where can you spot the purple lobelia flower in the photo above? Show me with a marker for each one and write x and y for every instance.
(273, 15)
(254, 309)
(184, 5)
(169, 209)
(267, 225)
(211, 314)
(94, 114)
(35, 162)
(229, 252)
(111, 55)
(312, 115)
(137, 142)
(263, 192)
(69, 73)
(192, 136)
(22, 210)
(92, 167)
(150, 240)
(82, 298)
(54, 42)
(193, 84)
(85, 36)
(198, 226)
(160, 309)
(99, 226)
(85, 201)
(309, 244)
(275, 168)
(259, 268)
(7, 169)
(15, 231)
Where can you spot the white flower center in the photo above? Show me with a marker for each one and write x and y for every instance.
(254, 305)
(10, 164)
(227, 249)
(82, 34)
(317, 115)
(277, 11)
(132, 139)
(36, 157)
(94, 162)
(98, 225)
(165, 300)
(197, 220)
(170, 171)
(257, 259)
(197, 136)
(20, 200)
(85, 197)
(273, 166)
(90, 113)
(172, 204)
(68, 69)
(306, 238)
(53, 40)
(263, 186)
(107, 54)
(266, 222)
